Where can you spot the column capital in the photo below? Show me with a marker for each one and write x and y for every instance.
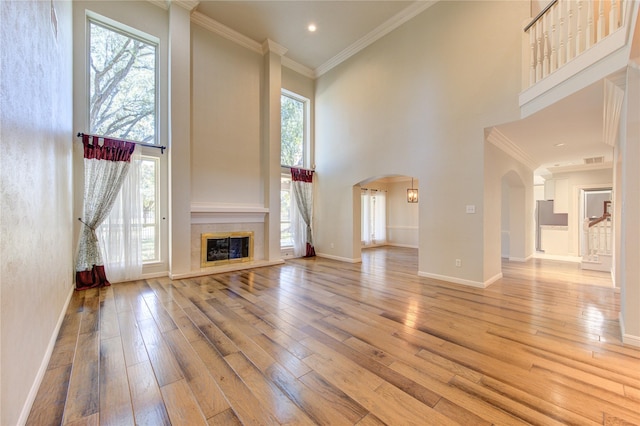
(271, 46)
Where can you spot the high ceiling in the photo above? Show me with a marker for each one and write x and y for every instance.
(563, 134)
(340, 24)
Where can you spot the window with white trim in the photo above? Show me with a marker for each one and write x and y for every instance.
(123, 93)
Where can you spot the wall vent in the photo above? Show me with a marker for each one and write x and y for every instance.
(594, 160)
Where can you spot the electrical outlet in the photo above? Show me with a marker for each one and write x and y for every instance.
(458, 263)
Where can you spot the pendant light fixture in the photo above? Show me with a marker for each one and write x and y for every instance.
(412, 194)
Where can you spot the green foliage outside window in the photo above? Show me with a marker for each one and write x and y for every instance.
(292, 146)
(122, 85)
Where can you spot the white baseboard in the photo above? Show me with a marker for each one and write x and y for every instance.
(628, 339)
(493, 279)
(338, 258)
(574, 259)
(31, 397)
(402, 245)
(520, 259)
(454, 279)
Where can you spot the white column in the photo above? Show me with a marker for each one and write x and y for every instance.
(179, 138)
(630, 211)
(271, 142)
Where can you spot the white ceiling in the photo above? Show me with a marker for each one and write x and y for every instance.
(340, 24)
(345, 27)
(565, 133)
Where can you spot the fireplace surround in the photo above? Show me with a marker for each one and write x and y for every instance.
(224, 248)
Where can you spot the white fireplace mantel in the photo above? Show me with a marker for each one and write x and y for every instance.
(227, 213)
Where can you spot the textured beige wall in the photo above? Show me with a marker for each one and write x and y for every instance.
(36, 264)
(416, 103)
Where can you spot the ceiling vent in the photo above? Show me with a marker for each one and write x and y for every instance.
(594, 160)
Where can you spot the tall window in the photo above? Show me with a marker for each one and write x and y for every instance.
(294, 152)
(122, 103)
(149, 189)
(122, 84)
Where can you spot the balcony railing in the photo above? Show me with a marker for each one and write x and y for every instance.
(567, 28)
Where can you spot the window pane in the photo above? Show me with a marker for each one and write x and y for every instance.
(292, 143)
(122, 76)
(148, 195)
(285, 212)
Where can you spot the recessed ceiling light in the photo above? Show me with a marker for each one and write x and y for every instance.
(559, 144)
(312, 28)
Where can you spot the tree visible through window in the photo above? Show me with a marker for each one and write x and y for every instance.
(293, 131)
(122, 101)
(122, 85)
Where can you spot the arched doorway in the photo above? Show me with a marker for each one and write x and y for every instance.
(396, 224)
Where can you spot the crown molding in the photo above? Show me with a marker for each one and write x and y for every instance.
(271, 46)
(226, 32)
(581, 167)
(497, 138)
(162, 4)
(186, 4)
(383, 29)
(297, 67)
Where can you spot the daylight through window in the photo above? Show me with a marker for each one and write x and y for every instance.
(122, 85)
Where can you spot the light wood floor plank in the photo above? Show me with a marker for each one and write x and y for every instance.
(315, 341)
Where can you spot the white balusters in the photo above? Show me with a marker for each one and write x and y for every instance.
(613, 17)
(589, 32)
(601, 21)
(554, 38)
(562, 51)
(545, 47)
(566, 29)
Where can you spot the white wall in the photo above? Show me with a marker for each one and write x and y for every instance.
(508, 191)
(226, 92)
(402, 217)
(416, 103)
(35, 193)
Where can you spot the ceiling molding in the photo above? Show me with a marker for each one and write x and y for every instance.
(497, 138)
(226, 32)
(271, 46)
(297, 67)
(163, 4)
(186, 4)
(383, 29)
(581, 167)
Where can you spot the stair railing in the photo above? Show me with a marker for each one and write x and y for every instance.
(566, 28)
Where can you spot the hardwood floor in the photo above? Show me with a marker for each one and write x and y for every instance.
(316, 341)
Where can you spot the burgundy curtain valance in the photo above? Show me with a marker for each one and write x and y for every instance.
(110, 149)
(301, 175)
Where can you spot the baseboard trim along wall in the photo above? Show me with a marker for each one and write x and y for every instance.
(627, 339)
(341, 259)
(454, 280)
(31, 397)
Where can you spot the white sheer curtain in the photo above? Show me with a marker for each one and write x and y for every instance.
(373, 217)
(298, 227)
(379, 217)
(120, 233)
(302, 212)
(365, 217)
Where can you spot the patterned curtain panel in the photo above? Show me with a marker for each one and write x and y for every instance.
(302, 185)
(105, 167)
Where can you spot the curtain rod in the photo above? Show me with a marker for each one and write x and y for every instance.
(160, 147)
